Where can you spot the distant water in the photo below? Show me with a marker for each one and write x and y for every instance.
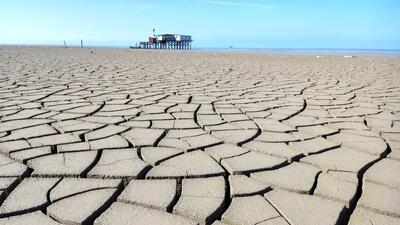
(307, 51)
(312, 51)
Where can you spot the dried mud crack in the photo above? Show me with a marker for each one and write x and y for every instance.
(103, 136)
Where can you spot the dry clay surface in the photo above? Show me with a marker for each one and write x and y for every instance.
(108, 136)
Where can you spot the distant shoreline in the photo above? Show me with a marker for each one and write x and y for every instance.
(307, 51)
(322, 51)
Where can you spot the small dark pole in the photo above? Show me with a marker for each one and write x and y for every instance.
(81, 44)
(65, 45)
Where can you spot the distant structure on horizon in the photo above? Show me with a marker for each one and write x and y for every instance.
(166, 41)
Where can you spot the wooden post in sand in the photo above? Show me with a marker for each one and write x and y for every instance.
(81, 44)
(65, 45)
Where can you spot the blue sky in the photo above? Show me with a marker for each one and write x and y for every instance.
(367, 24)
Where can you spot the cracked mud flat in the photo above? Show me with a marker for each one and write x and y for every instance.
(107, 136)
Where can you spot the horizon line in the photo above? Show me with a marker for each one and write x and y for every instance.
(203, 47)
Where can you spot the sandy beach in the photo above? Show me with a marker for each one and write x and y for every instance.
(120, 136)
